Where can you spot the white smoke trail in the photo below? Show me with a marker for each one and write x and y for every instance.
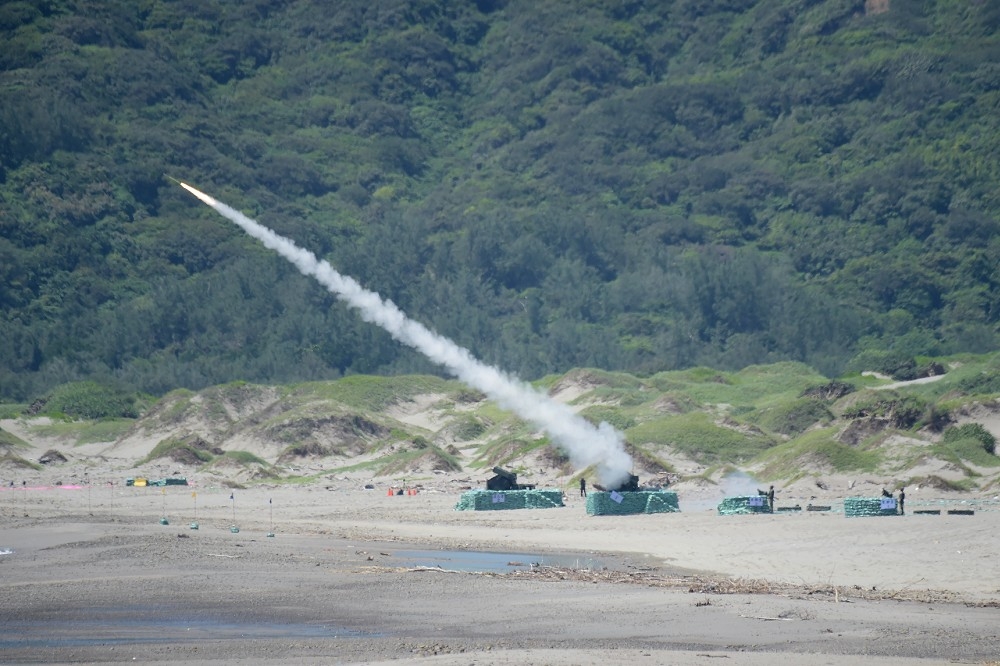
(582, 442)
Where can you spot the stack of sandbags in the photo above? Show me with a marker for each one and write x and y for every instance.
(622, 503)
(732, 506)
(505, 500)
(869, 506)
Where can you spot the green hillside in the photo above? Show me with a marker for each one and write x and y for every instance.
(637, 187)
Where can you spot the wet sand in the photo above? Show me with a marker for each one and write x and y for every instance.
(93, 577)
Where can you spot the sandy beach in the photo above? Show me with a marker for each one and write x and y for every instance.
(91, 574)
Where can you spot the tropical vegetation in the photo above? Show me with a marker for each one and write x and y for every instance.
(632, 186)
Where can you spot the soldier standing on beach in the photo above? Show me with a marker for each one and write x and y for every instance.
(770, 498)
(902, 498)
(583, 487)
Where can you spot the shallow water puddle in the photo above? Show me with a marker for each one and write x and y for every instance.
(487, 562)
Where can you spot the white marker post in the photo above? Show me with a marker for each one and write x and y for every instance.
(232, 498)
(163, 520)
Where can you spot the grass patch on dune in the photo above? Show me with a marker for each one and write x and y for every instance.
(12, 410)
(177, 449)
(171, 408)
(590, 377)
(466, 427)
(493, 413)
(374, 393)
(404, 462)
(754, 385)
(9, 440)
(785, 377)
(245, 458)
(10, 459)
(257, 466)
(618, 418)
(621, 397)
(103, 431)
(501, 451)
(941, 483)
(700, 438)
(791, 417)
(963, 452)
(817, 450)
(83, 432)
(649, 460)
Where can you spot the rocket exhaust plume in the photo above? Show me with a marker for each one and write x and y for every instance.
(585, 445)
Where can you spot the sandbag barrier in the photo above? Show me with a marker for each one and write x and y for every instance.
(505, 500)
(732, 506)
(869, 506)
(600, 503)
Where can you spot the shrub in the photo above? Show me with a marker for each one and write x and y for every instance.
(246, 458)
(833, 390)
(90, 400)
(467, 428)
(795, 417)
(973, 431)
(614, 417)
(983, 383)
(895, 364)
(901, 412)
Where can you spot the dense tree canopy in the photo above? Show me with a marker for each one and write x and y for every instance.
(609, 183)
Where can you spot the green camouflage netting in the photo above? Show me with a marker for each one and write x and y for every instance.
(499, 500)
(644, 501)
(751, 504)
(869, 506)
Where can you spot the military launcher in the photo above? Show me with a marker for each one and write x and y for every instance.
(505, 480)
(630, 485)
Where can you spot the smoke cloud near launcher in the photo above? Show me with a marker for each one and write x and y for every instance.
(585, 444)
